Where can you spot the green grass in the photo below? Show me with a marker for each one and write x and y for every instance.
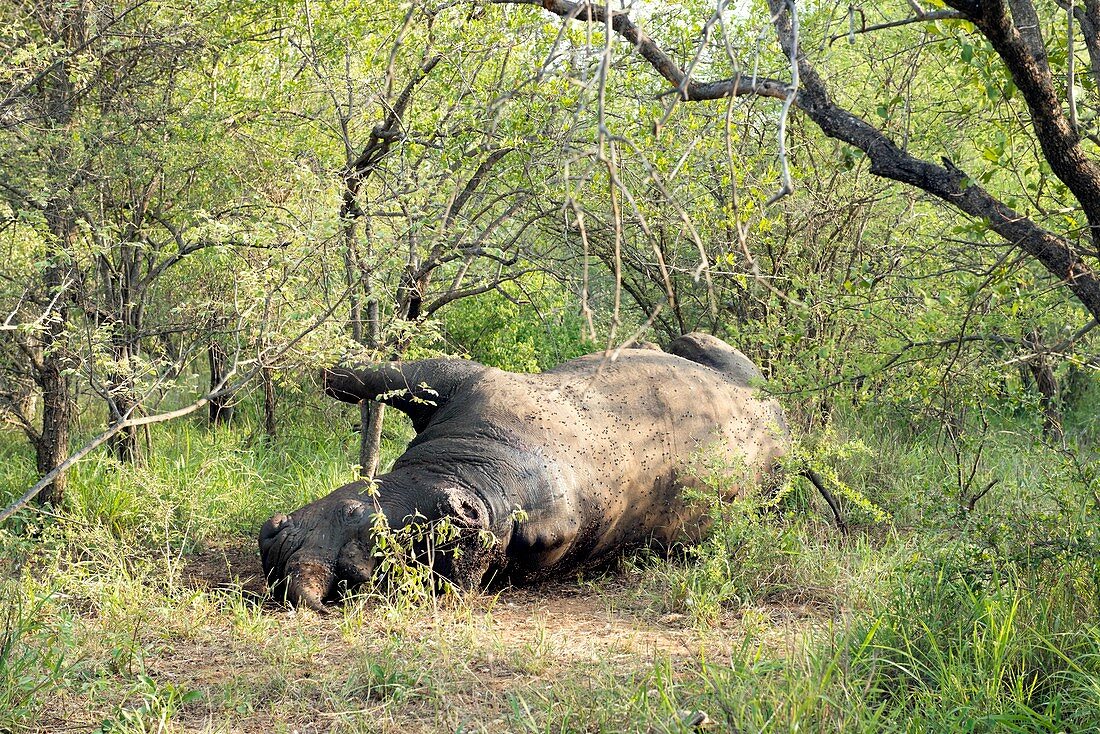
(941, 619)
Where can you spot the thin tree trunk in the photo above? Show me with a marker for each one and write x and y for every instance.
(126, 443)
(370, 444)
(372, 414)
(1047, 386)
(270, 425)
(118, 290)
(365, 330)
(52, 446)
(1074, 387)
(1048, 398)
(221, 408)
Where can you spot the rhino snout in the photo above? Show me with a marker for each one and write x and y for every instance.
(327, 545)
(309, 584)
(307, 553)
(296, 571)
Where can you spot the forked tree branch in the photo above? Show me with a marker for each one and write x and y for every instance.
(1031, 74)
(382, 138)
(687, 88)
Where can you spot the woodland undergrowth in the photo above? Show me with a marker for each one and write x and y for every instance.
(959, 599)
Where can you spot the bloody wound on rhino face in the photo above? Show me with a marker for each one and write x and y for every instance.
(533, 476)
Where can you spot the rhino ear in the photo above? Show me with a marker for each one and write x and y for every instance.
(467, 558)
(417, 389)
(718, 355)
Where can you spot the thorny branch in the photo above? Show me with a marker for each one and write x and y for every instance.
(1016, 40)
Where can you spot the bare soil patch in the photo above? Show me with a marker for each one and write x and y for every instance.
(471, 664)
(578, 620)
(228, 565)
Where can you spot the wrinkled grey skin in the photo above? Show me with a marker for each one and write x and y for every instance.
(593, 452)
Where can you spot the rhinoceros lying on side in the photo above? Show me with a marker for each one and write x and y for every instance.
(564, 469)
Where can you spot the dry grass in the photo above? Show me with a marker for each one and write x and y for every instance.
(516, 660)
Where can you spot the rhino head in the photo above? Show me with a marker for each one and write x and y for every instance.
(313, 553)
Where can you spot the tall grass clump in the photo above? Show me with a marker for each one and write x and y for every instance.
(196, 481)
(990, 623)
(946, 649)
(32, 661)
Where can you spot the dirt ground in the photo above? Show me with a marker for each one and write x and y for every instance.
(538, 645)
(582, 621)
(520, 659)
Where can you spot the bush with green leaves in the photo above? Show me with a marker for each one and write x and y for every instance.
(528, 326)
(758, 548)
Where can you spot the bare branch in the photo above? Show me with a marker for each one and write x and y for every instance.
(684, 86)
(1087, 14)
(472, 185)
(787, 186)
(476, 290)
(920, 17)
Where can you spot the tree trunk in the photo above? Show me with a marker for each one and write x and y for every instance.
(270, 425)
(1047, 386)
(371, 414)
(365, 330)
(221, 408)
(368, 331)
(122, 394)
(125, 444)
(49, 372)
(370, 444)
(52, 446)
